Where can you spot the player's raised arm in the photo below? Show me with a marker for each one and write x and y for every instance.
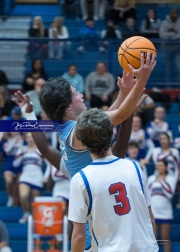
(125, 84)
(42, 143)
(119, 148)
(129, 104)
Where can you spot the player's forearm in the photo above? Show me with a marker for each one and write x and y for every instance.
(78, 243)
(43, 145)
(152, 219)
(128, 105)
(119, 148)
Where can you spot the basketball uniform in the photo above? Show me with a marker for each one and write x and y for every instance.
(32, 162)
(172, 158)
(155, 131)
(161, 193)
(61, 184)
(143, 167)
(113, 196)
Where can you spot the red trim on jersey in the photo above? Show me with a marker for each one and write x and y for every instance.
(167, 187)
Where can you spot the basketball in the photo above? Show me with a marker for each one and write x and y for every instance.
(131, 49)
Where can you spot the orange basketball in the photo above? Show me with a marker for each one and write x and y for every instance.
(131, 49)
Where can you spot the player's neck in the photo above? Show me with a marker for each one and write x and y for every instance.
(95, 156)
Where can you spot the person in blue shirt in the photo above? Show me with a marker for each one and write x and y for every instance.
(74, 78)
(88, 32)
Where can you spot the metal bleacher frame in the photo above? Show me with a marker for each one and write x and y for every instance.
(31, 234)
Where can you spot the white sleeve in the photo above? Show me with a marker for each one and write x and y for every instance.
(78, 208)
(65, 33)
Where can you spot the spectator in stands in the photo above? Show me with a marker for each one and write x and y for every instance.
(31, 178)
(3, 78)
(58, 31)
(170, 29)
(37, 49)
(99, 86)
(141, 137)
(164, 153)
(10, 146)
(158, 125)
(177, 140)
(74, 78)
(4, 238)
(93, 8)
(34, 96)
(16, 114)
(6, 104)
(110, 32)
(71, 8)
(162, 187)
(130, 28)
(37, 72)
(88, 31)
(146, 110)
(122, 10)
(150, 26)
(133, 153)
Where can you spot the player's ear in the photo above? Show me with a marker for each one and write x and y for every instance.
(69, 108)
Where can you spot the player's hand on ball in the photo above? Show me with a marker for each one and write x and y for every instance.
(147, 65)
(126, 83)
(23, 100)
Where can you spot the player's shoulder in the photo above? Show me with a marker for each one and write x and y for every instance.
(129, 163)
(77, 180)
(77, 177)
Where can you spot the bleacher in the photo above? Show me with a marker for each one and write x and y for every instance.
(22, 64)
(16, 64)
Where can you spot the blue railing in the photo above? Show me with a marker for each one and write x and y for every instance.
(165, 74)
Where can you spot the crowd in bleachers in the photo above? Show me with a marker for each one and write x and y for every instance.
(152, 139)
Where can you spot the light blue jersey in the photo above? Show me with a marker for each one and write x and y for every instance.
(75, 160)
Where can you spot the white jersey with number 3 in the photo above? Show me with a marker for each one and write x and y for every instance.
(112, 194)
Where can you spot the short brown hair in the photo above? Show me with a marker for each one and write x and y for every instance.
(94, 129)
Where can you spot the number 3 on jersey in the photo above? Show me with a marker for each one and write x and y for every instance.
(121, 197)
